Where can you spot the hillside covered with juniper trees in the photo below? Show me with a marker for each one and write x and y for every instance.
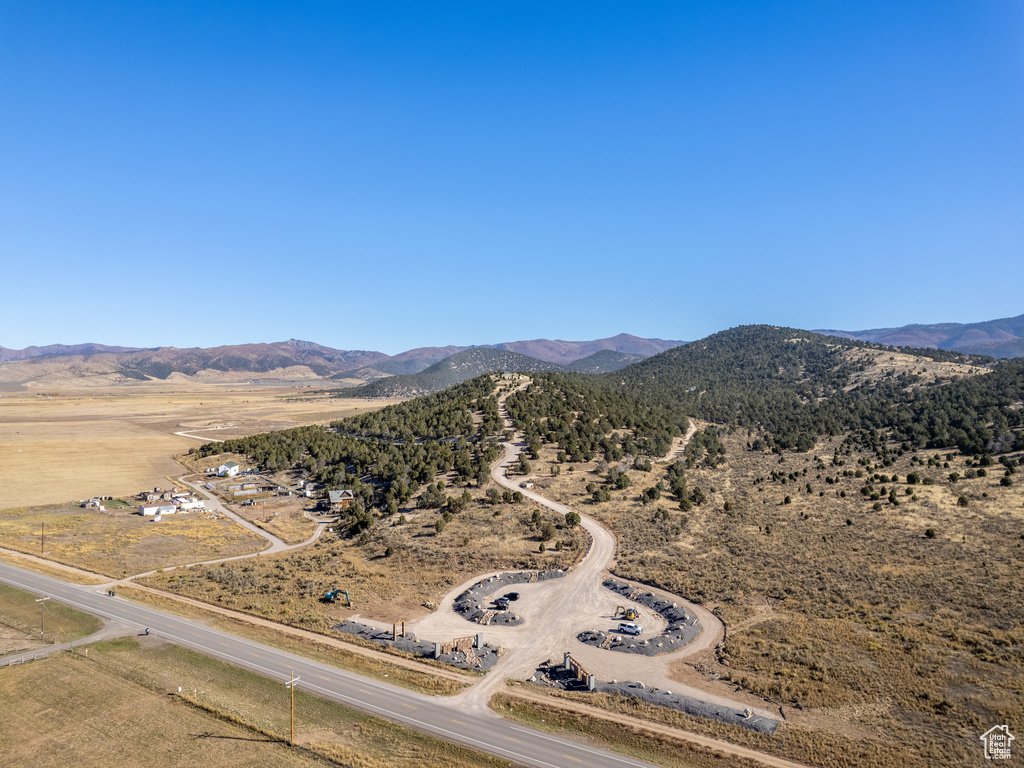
(788, 387)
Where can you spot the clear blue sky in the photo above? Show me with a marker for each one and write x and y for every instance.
(391, 175)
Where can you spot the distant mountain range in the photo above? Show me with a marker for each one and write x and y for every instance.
(479, 360)
(57, 350)
(425, 369)
(63, 364)
(996, 338)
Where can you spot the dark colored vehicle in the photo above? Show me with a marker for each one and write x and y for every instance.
(512, 596)
(501, 603)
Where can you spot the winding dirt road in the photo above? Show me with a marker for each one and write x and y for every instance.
(557, 610)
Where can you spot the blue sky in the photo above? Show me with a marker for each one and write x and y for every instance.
(392, 175)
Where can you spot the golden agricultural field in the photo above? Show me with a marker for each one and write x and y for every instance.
(870, 594)
(119, 542)
(72, 444)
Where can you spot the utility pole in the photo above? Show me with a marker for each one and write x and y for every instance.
(291, 684)
(42, 615)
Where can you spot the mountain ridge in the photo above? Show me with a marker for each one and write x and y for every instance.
(97, 364)
(1003, 337)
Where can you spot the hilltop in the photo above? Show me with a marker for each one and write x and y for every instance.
(604, 361)
(791, 386)
(452, 370)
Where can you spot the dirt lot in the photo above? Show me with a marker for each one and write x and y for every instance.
(114, 708)
(122, 541)
(113, 441)
(868, 631)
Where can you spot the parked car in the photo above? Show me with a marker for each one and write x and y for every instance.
(629, 628)
(501, 603)
(513, 596)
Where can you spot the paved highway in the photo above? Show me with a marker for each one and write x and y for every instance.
(487, 733)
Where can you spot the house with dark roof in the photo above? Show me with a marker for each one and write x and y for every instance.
(340, 499)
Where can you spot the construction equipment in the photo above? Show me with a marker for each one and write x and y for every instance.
(630, 614)
(333, 594)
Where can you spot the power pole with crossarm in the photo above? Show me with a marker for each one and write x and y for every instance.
(291, 684)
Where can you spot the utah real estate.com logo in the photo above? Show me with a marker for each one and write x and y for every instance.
(997, 742)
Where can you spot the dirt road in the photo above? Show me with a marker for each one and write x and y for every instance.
(555, 611)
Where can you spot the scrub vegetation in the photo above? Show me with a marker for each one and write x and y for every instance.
(851, 512)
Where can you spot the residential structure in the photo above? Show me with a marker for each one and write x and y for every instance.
(340, 499)
(228, 469)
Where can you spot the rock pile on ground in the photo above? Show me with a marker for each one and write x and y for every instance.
(556, 675)
(682, 627)
(473, 604)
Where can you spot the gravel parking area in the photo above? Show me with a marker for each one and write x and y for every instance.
(682, 626)
(476, 602)
(486, 655)
(557, 676)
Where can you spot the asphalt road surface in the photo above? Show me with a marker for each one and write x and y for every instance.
(447, 720)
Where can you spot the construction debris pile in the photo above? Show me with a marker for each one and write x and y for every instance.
(555, 674)
(682, 627)
(457, 654)
(474, 604)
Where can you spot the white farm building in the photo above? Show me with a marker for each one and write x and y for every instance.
(148, 510)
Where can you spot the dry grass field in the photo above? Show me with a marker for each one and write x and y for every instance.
(24, 624)
(423, 566)
(876, 637)
(283, 516)
(115, 707)
(544, 714)
(56, 570)
(117, 542)
(75, 444)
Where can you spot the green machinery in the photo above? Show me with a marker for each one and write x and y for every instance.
(332, 595)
